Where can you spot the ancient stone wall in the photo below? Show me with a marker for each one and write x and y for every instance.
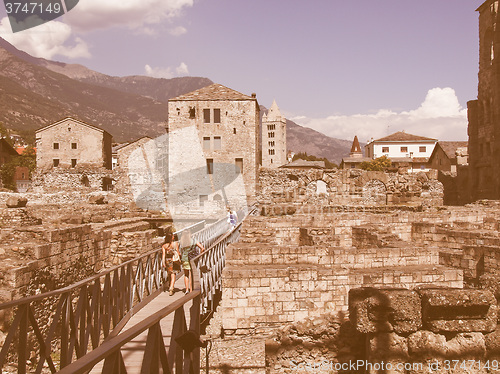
(349, 187)
(82, 179)
(394, 331)
(59, 250)
(288, 268)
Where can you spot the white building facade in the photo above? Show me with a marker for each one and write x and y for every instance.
(403, 148)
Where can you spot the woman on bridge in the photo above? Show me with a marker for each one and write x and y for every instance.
(170, 258)
(189, 250)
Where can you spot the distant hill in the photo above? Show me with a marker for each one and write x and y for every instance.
(305, 139)
(35, 92)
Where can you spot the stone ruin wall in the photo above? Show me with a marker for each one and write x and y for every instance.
(349, 187)
(288, 268)
(67, 241)
(439, 331)
(86, 179)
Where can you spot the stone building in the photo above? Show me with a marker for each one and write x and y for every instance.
(484, 113)
(213, 141)
(70, 143)
(448, 155)
(273, 138)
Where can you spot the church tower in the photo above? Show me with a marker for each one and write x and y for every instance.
(273, 138)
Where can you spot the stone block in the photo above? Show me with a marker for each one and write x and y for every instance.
(425, 344)
(384, 310)
(16, 202)
(458, 310)
(387, 346)
(469, 345)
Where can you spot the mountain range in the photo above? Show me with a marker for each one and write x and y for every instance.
(35, 92)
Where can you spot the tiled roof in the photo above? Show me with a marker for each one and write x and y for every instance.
(402, 136)
(450, 148)
(355, 145)
(7, 147)
(305, 163)
(73, 120)
(356, 159)
(214, 92)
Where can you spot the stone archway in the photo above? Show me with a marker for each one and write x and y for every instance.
(375, 193)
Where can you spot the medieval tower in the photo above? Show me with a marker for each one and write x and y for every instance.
(484, 113)
(273, 138)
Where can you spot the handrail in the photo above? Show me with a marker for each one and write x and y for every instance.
(92, 312)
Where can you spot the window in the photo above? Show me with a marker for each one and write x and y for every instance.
(404, 149)
(422, 149)
(74, 146)
(206, 115)
(271, 152)
(217, 143)
(422, 167)
(210, 166)
(271, 127)
(385, 149)
(203, 198)
(234, 130)
(271, 144)
(270, 134)
(23, 176)
(56, 145)
(206, 143)
(239, 165)
(73, 162)
(192, 113)
(216, 115)
(55, 162)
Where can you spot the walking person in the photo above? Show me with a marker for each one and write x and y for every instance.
(189, 249)
(170, 258)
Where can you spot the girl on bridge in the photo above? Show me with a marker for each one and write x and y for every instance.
(171, 258)
(189, 250)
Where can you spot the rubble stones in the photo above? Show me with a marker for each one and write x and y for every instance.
(378, 310)
(16, 202)
(424, 345)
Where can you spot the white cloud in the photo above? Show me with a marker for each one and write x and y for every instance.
(46, 40)
(57, 38)
(168, 72)
(98, 14)
(440, 116)
(182, 69)
(178, 31)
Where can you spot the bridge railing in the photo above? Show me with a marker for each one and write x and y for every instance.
(65, 324)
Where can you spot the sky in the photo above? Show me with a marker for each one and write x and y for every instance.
(366, 68)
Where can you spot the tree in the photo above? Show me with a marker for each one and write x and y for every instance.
(379, 164)
(8, 170)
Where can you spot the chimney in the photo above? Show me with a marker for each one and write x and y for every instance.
(254, 95)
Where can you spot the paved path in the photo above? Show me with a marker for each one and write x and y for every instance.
(133, 352)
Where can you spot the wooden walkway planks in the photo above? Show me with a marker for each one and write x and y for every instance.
(133, 352)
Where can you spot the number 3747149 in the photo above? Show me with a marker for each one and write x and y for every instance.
(33, 8)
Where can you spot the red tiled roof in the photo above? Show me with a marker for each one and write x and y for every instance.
(402, 136)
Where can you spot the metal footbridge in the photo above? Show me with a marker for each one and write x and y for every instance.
(120, 320)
